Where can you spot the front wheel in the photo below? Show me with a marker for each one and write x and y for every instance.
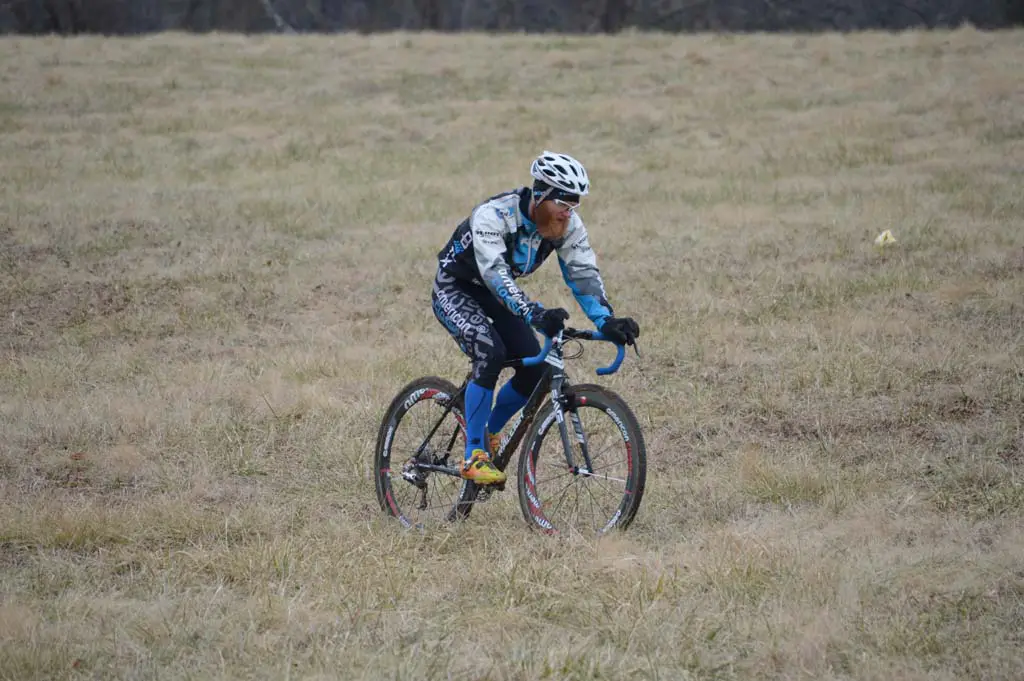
(558, 497)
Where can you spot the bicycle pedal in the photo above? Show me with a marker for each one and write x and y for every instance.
(485, 492)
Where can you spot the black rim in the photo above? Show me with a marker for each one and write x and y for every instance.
(556, 499)
(417, 474)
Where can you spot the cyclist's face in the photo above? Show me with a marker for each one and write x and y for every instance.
(553, 217)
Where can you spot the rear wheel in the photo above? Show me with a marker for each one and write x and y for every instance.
(555, 498)
(418, 454)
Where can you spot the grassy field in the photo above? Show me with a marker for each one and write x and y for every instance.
(215, 260)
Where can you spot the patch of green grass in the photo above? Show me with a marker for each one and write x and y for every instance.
(993, 489)
(1004, 133)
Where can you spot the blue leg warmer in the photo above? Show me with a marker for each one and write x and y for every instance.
(478, 410)
(509, 401)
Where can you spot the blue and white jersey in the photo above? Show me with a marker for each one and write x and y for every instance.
(497, 244)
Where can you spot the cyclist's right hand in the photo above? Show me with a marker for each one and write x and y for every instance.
(549, 322)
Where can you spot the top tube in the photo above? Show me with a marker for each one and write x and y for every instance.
(582, 335)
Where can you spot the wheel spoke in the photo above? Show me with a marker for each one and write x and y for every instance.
(591, 500)
(595, 476)
(416, 437)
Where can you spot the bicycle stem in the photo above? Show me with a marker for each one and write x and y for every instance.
(549, 342)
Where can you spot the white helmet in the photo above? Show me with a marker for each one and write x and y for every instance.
(561, 171)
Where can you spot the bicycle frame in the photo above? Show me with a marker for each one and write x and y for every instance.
(553, 382)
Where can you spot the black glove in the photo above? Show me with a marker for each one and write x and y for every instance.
(621, 330)
(549, 322)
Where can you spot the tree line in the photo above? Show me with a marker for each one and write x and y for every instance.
(121, 17)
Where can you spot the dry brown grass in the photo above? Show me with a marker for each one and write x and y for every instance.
(216, 255)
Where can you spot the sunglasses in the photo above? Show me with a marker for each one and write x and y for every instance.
(567, 205)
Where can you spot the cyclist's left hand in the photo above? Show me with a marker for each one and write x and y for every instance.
(621, 330)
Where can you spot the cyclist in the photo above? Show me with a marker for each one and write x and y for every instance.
(476, 298)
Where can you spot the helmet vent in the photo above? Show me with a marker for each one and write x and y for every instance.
(561, 171)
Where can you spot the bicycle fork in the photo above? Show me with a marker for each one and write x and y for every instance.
(562, 403)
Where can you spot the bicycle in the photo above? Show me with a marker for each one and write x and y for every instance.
(428, 484)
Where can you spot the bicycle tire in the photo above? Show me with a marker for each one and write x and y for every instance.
(586, 396)
(387, 456)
